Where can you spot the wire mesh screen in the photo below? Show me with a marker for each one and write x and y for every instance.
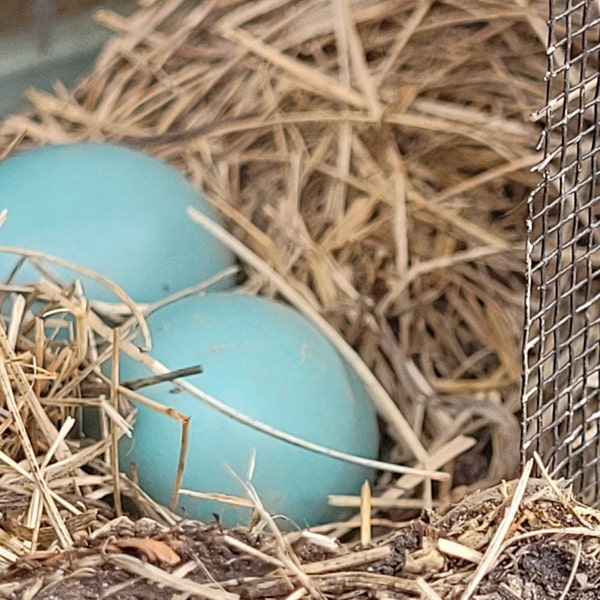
(561, 392)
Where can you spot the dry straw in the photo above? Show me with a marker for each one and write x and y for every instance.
(371, 162)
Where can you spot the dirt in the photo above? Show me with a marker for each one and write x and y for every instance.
(550, 552)
(89, 570)
(542, 570)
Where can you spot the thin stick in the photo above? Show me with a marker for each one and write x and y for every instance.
(225, 409)
(114, 432)
(142, 382)
(107, 283)
(305, 76)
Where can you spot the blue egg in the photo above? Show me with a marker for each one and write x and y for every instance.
(268, 361)
(113, 210)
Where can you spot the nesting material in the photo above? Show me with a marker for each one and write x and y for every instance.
(519, 538)
(371, 161)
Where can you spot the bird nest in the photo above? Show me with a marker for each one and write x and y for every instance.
(371, 162)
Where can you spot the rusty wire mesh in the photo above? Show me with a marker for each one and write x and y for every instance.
(561, 397)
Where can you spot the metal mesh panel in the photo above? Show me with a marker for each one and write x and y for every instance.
(561, 392)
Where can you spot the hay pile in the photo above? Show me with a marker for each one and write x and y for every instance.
(374, 161)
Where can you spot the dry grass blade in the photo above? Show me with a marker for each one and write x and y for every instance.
(162, 577)
(283, 549)
(459, 551)
(565, 500)
(495, 547)
(36, 471)
(426, 590)
(239, 416)
(381, 399)
(32, 254)
(305, 76)
(377, 502)
(349, 561)
(365, 515)
(114, 432)
(235, 543)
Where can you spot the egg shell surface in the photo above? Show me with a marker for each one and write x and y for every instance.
(111, 209)
(268, 361)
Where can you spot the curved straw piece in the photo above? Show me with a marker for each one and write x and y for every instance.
(160, 369)
(107, 283)
(384, 404)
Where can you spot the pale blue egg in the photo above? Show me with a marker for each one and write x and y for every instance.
(268, 361)
(117, 211)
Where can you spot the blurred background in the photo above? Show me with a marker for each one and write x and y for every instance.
(42, 41)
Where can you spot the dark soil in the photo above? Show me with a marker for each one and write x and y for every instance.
(551, 553)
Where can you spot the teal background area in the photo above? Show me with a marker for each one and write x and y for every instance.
(37, 51)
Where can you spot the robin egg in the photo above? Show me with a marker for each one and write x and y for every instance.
(111, 209)
(266, 360)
